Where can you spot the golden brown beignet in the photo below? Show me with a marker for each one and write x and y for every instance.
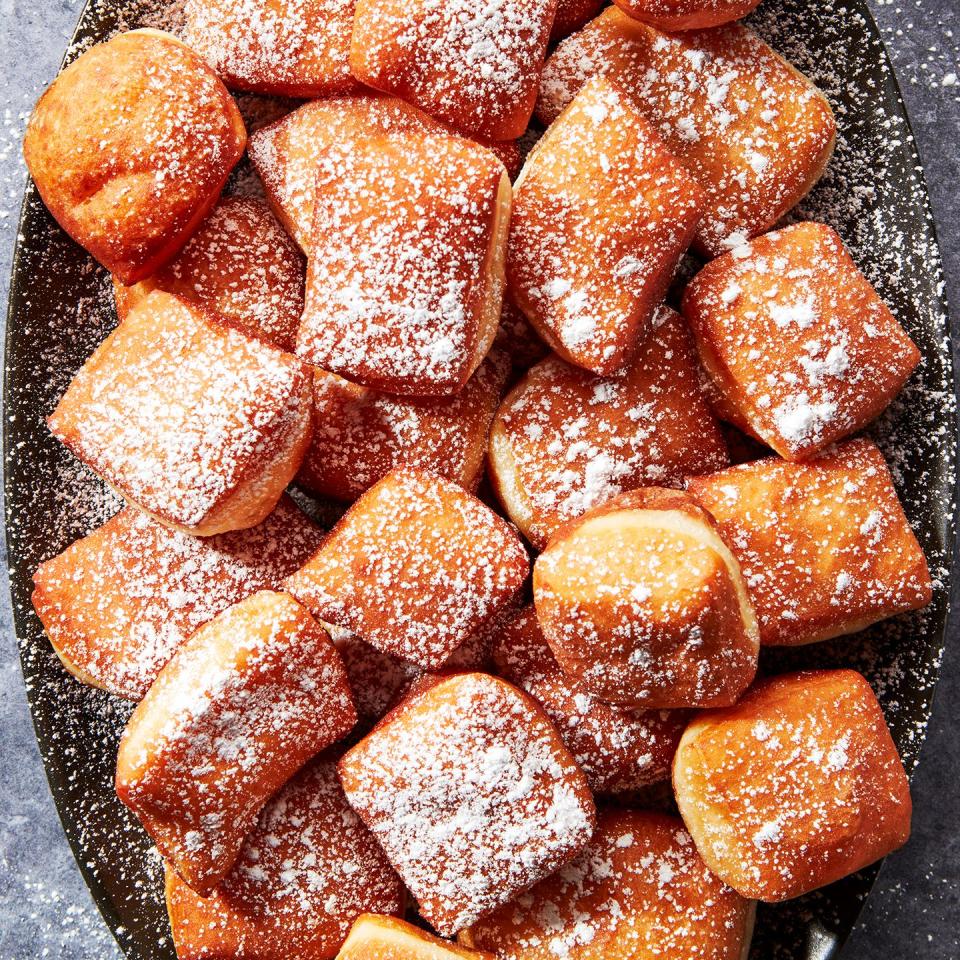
(752, 131)
(639, 891)
(405, 264)
(686, 14)
(306, 871)
(602, 214)
(295, 48)
(795, 787)
(471, 793)
(643, 604)
(130, 147)
(564, 440)
(316, 138)
(476, 68)
(798, 345)
(190, 420)
(386, 938)
(572, 15)
(619, 749)
(415, 567)
(360, 435)
(241, 265)
(243, 704)
(824, 546)
(118, 604)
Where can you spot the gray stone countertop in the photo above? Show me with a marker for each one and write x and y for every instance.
(914, 912)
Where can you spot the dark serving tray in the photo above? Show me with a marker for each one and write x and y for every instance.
(61, 307)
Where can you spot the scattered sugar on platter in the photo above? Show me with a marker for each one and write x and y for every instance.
(874, 196)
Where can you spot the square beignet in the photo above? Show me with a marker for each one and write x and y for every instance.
(639, 891)
(360, 435)
(795, 787)
(824, 546)
(244, 703)
(294, 48)
(405, 264)
(686, 14)
(306, 871)
(386, 938)
(118, 604)
(189, 420)
(619, 749)
(151, 135)
(415, 567)
(239, 264)
(644, 604)
(474, 66)
(602, 214)
(564, 440)
(471, 793)
(316, 137)
(795, 340)
(753, 132)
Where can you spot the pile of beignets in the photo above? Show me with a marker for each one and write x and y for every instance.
(406, 715)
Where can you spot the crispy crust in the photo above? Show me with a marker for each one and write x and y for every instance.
(620, 750)
(152, 136)
(405, 277)
(117, 604)
(241, 265)
(564, 440)
(360, 434)
(638, 892)
(306, 871)
(485, 798)
(825, 546)
(643, 604)
(252, 696)
(686, 14)
(193, 422)
(292, 48)
(477, 73)
(602, 214)
(415, 567)
(797, 343)
(751, 130)
(796, 787)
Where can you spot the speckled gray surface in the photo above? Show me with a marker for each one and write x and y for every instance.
(45, 910)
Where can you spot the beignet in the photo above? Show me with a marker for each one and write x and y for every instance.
(241, 265)
(415, 567)
(564, 440)
(189, 420)
(639, 891)
(306, 871)
(798, 345)
(386, 938)
(752, 131)
(475, 67)
(795, 787)
(824, 546)
(243, 704)
(686, 14)
(471, 793)
(405, 264)
(602, 214)
(619, 749)
(360, 435)
(118, 604)
(643, 604)
(316, 138)
(295, 48)
(130, 147)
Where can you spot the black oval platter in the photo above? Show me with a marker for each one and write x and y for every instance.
(61, 307)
